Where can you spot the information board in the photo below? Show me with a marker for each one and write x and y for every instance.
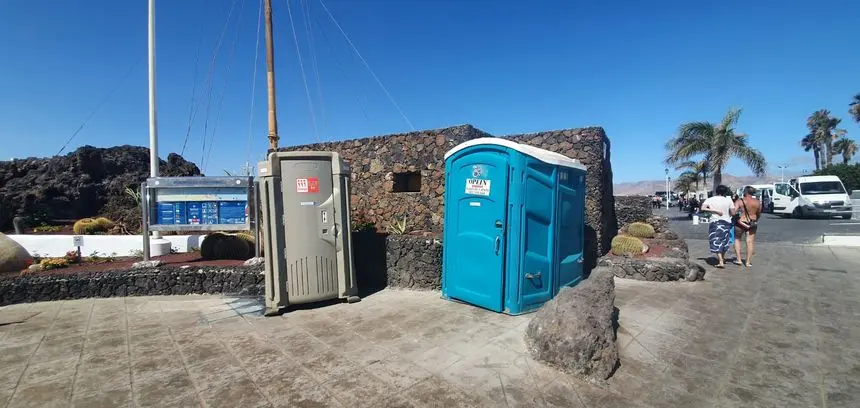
(198, 201)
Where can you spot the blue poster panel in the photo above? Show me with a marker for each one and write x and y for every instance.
(231, 212)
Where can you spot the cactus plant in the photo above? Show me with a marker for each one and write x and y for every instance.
(232, 247)
(398, 227)
(83, 226)
(640, 230)
(91, 226)
(207, 247)
(219, 245)
(104, 223)
(627, 245)
(249, 238)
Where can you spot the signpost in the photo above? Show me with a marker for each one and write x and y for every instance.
(203, 204)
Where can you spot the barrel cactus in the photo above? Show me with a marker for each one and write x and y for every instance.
(640, 230)
(104, 224)
(219, 245)
(85, 226)
(627, 245)
(252, 242)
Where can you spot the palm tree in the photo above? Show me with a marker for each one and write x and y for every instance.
(717, 142)
(847, 148)
(811, 142)
(854, 108)
(696, 171)
(823, 126)
(685, 182)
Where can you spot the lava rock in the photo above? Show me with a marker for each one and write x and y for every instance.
(13, 257)
(673, 248)
(575, 331)
(146, 264)
(414, 262)
(658, 269)
(87, 182)
(630, 209)
(659, 222)
(257, 261)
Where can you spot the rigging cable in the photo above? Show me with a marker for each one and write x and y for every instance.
(254, 70)
(311, 44)
(100, 104)
(340, 68)
(211, 74)
(304, 78)
(366, 65)
(220, 103)
(193, 90)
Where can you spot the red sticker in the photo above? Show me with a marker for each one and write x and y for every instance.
(313, 185)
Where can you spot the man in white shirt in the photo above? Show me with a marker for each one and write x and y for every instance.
(720, 228)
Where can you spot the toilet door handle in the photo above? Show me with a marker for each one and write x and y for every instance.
(498, 244)
(535, 276)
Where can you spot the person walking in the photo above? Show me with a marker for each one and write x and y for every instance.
(748, 209)
(719, 230)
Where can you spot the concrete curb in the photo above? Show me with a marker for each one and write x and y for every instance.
(841, 239)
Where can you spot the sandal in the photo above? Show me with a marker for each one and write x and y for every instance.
(720, 266)
(737, 262)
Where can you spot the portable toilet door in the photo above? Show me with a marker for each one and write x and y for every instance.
(476, 200)
(570, 242)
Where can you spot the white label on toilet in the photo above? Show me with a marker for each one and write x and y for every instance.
(474, 204)
(476, 186)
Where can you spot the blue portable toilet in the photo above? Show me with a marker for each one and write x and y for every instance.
(514, 224)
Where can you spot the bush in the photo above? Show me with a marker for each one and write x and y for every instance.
(848, 173)
(627, 245)
(640, 230)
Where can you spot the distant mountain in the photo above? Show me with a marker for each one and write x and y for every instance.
(647, 187)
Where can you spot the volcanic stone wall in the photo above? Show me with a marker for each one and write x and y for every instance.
(591, 147)
(239, 280)
(379, 165)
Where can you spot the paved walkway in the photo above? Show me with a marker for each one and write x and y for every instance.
(785, 333)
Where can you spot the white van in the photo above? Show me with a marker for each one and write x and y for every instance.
(812, 196)
(764, 194)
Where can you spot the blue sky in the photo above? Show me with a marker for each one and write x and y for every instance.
(637, 68)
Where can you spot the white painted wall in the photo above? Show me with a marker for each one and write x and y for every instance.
(121, 245)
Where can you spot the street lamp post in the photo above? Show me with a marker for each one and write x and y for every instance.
(782, 172)
(667, 189)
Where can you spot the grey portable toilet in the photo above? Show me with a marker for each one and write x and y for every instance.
(304, 197)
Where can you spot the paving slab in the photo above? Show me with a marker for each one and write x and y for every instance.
(783, 333)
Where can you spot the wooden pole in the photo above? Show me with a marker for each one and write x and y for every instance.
(270, 80)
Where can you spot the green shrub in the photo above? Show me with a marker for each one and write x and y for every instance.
(627, 245)
(640, 230)
(848, 173)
